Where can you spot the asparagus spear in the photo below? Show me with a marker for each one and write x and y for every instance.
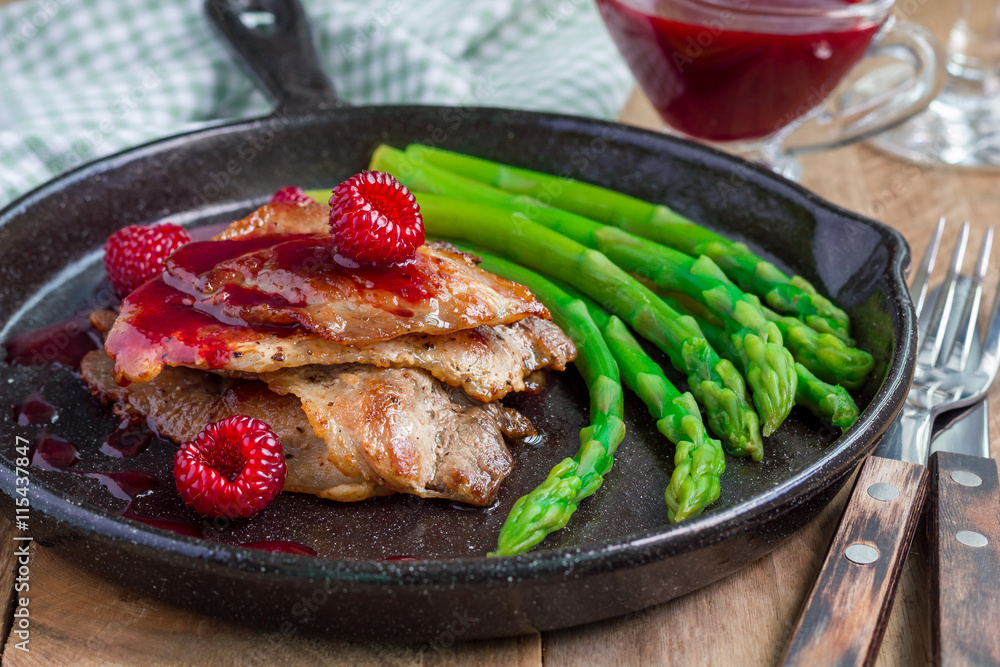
(770, 371)
(549, 507)
(829, 402)
(826, 401)
(827, 356)
(769, 366)
(787, 294)
(699, 459)
(714, 381)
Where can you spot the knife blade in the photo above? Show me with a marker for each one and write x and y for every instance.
(950, 418)
(967, 432)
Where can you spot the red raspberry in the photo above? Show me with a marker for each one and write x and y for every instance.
(234, 468)
(135, 254)
(292, 193)
(375, 219)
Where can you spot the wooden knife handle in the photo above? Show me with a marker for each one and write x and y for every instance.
(844, 617)
(965, 559)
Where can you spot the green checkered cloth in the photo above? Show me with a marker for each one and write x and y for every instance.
(84, 78)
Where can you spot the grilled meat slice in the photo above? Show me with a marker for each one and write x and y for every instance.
(157, 329)
(352, 431)
(279, 218)
(418, 436)
(280, 278)
(486, 362)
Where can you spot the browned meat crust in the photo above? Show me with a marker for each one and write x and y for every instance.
(352, 431)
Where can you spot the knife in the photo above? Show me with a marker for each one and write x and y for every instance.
(964, 534)
(845, 615)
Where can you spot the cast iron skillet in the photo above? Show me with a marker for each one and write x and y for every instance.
(619, 553)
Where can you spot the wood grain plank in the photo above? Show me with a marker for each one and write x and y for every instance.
(965, 597)
(80, 619)
(845, 614)
(8, 568)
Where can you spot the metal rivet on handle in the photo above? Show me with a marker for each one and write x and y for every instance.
(966, 478)
(971, 538)
(883, 491)
(862, 554)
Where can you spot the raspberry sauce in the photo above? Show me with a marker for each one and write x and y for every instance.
(127, 485)
(313, 256)
(303, 260)
(160, 314)
(64, 343)
(127, 441)
(34, 410)
(713, 79)
(54, 453)
(200, 257)
(179, 526)
(202, 304)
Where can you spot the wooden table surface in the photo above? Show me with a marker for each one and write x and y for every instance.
(745, 619)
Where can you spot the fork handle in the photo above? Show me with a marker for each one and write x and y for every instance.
(965, 559)
(845, 614)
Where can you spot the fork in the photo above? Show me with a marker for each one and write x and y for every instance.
(941, 379)
(845, 614)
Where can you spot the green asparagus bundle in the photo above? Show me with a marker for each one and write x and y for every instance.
(715, 382)
(699, 459)
(787, 294)
(829, 402)
(825, 356)
(770, 367)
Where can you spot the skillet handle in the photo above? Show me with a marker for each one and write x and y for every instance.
(844, 617)
(272, 40)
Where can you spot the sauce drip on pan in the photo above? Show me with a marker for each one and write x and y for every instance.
(127, 440)
(64, 343)
(179, 526)
(54, 453)
(127, 484)
(34, 410)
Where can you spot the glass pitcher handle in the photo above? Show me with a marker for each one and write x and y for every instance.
(880, 99)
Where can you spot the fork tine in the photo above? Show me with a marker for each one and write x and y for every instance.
(989, 361)
(970, 314)
(918, 290)
(946, 296)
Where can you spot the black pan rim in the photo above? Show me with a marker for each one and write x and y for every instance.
(628, 550)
